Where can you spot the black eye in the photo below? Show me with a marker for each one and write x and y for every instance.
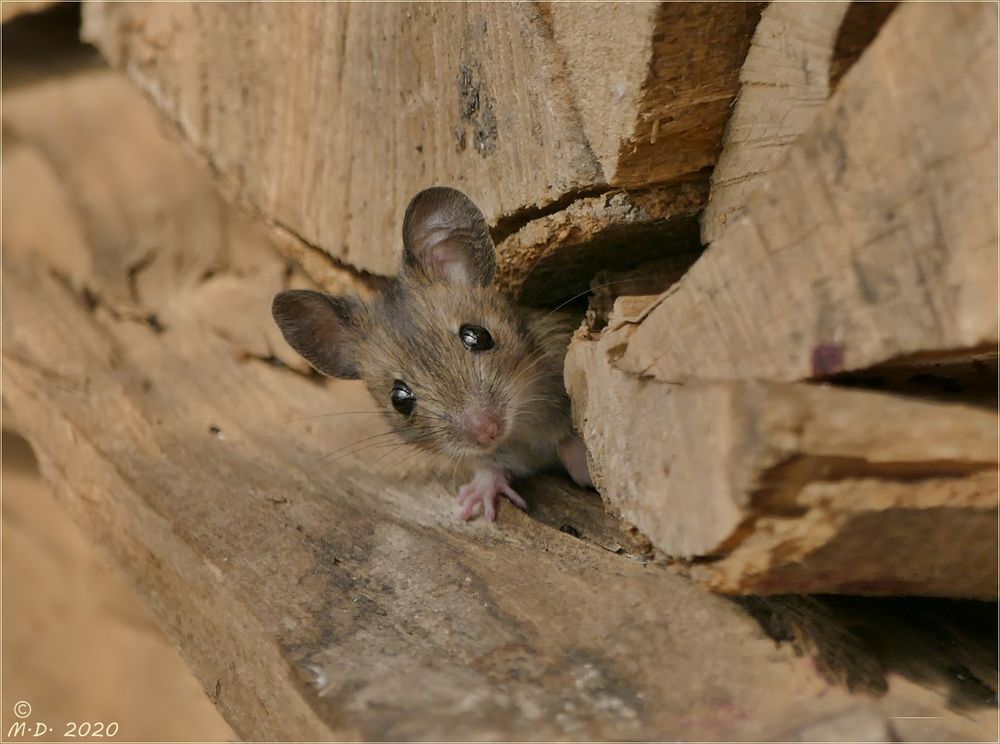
(403, 399)
(475, 338)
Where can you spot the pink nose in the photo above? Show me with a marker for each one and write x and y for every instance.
(481, 426)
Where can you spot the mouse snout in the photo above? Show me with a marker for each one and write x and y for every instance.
(482, 426)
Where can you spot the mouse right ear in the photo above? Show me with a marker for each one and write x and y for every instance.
(446, 238)
(322, 328)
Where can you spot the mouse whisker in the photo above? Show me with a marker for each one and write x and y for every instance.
(357, 442)
(335, 413)
(541, 410)
(381, 457)
(424, 442)
(406, 457)
(523, 369)
(454, 470)
(420, 438)
(436, 417)
(478, 362)
(585, 292)
(360, 450)
(428, 417)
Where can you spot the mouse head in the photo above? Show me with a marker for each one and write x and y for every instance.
(456, 366)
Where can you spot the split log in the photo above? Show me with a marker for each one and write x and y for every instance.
(785, 488)
(315, 598)
(783, 83)
(331, 121)
(553, 258)
(862, 23)
(793, 488)
(659, 111)
(798, 55)
(874, 240)
(312, 598)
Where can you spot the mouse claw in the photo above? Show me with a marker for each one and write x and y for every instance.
(484, 488)
(514, 497)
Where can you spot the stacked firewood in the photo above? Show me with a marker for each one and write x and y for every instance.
(848, 208)
(785, 218)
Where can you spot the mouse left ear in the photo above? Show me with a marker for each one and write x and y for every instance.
(322, 328)
(445, 238)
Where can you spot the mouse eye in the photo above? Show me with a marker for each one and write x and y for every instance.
(475, 338)
(403, 399)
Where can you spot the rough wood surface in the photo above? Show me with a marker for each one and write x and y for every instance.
(331, 121)
(862, 23)
(77, 641)
(315, 597)
(659, 111)
(321, 595)
(792, 487)
(554, 257)
(798, 55)
(783, 83)
(874, 239)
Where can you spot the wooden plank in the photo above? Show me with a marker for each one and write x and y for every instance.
(331, 121)
(792, 488)
(875, 239)
(80, 645)
(320, 596)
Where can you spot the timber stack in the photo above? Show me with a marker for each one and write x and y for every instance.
(785, 215)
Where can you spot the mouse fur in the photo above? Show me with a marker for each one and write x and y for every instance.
(502, 411)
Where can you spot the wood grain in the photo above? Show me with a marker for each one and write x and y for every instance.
(320, 589)
(657, 114)
(361, 106)
(875, 238)
(319, 595)
(784, 82)
(793, 488)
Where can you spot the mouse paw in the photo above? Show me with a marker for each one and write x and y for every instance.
(484, 488)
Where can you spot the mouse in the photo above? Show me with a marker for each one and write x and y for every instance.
(457, 367)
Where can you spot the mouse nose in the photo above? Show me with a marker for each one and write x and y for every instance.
(482, 426)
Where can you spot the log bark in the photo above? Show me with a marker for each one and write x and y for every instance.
(329, 123)
(875, 238)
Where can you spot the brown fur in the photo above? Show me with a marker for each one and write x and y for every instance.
(411, 334)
